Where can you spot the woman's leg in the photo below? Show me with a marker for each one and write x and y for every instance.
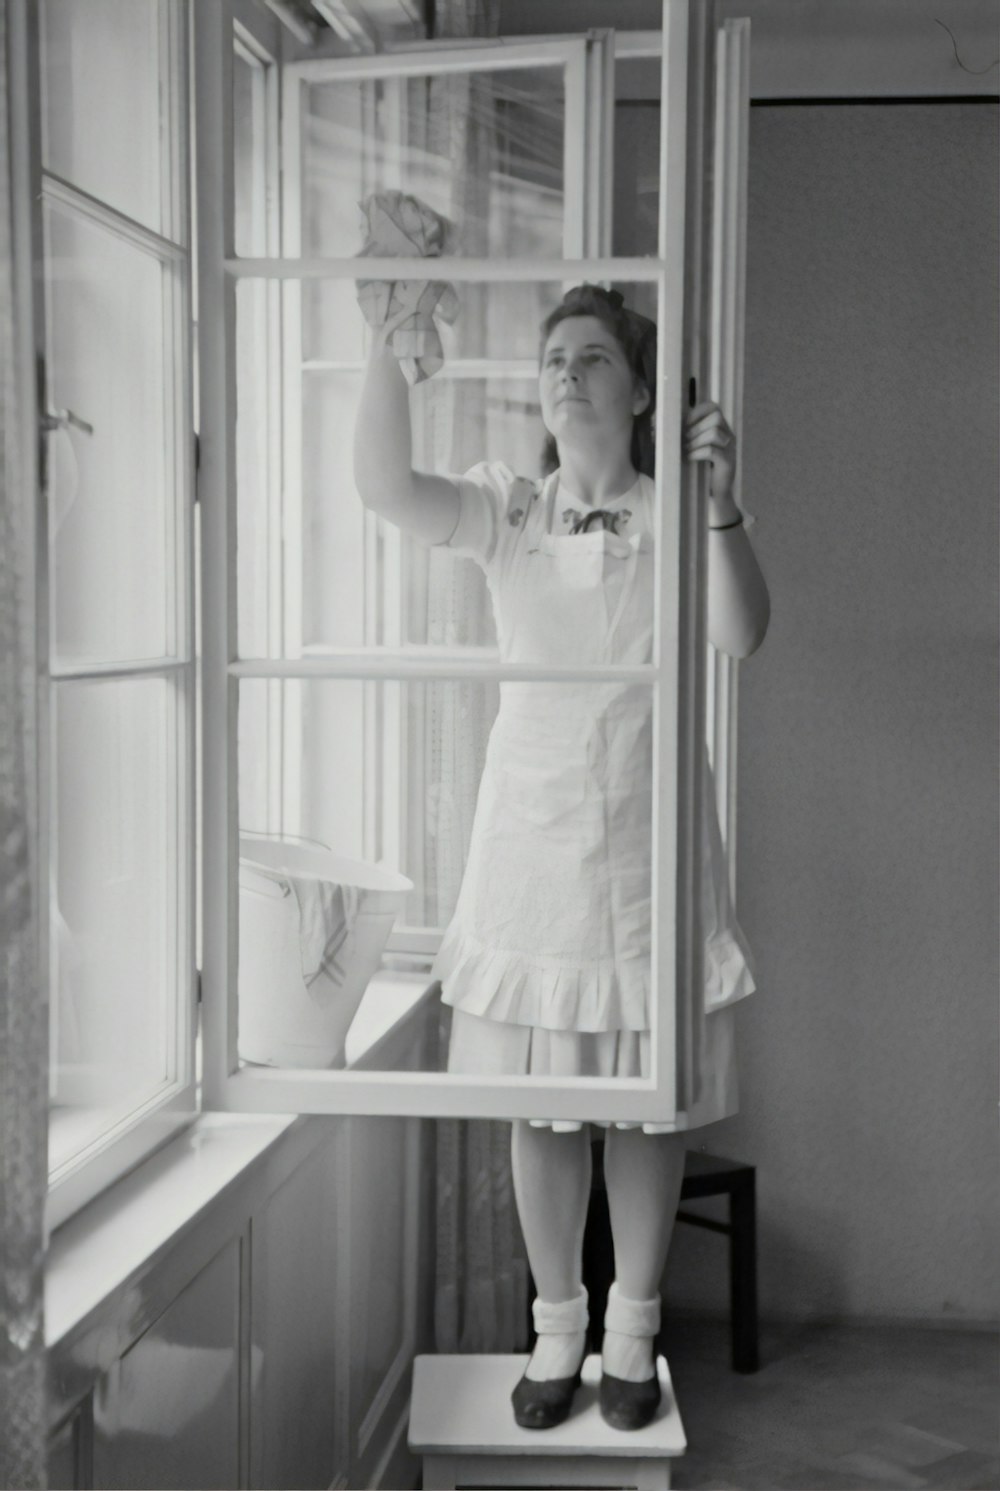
(643, 1175)
(552, 1187)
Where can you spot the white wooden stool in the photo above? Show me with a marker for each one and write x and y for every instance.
(462, 1423)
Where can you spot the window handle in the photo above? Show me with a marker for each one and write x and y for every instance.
(62, 419)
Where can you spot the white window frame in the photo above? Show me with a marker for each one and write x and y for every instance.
(119, 1147)
(259, 45)
(725, 355)
(677, 674)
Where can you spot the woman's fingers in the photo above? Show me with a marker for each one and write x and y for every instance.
(713, 420)
(705, 407)
(711, 443)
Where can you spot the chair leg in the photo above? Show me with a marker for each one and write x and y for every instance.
(743, 1272)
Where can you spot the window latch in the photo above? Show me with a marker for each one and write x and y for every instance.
(62, 419)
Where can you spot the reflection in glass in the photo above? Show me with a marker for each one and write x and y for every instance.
(389, 779)
(110, 517)
(117, 937)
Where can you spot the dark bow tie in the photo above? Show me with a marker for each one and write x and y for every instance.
(599, 515)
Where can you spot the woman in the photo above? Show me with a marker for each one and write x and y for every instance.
(546, 961)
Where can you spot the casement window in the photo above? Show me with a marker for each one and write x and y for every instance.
(235, 652)
(350, 677)
(110, 306)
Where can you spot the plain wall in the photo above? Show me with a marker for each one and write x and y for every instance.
(868, 745)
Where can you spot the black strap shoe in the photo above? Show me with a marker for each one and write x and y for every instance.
(545, 1403)
(542, 1405)
(629, 1405)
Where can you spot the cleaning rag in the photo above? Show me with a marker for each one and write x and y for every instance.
(398, 225)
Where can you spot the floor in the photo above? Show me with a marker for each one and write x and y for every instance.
(837, 1408)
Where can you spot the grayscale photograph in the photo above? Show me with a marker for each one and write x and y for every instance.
(499, 745)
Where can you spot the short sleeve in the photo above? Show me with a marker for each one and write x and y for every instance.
(484, 493)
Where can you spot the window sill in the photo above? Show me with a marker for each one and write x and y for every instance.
(104, 1246)
(101, 1248)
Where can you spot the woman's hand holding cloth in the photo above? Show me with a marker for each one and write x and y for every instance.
(407, 312)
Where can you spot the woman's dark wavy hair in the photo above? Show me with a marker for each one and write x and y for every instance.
(636, 335)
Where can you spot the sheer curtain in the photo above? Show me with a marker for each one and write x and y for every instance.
(481, 1284)
(23, 1056)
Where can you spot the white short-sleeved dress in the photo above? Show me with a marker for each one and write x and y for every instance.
(546, 961)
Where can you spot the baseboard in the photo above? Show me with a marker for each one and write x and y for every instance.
(398, 1469)
(980, 1323)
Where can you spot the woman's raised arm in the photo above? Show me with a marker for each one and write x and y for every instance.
(422, 505)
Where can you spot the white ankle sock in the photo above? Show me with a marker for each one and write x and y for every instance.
(630, 1328)
(562, 1337)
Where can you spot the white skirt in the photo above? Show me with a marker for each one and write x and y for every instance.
(495, 1048)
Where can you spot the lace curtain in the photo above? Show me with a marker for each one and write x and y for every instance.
(481, 1272)
(22, 1009)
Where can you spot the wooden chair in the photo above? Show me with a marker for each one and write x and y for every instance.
(704, 1175)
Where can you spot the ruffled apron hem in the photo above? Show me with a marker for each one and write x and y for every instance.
(509, 987)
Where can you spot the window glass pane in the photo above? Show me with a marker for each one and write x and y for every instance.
(112, 511)
(258, 476)
(318, 571)
(363, 582)
(117, 935)
(520, 815)
(103, 102)
(250, 156)
(495, 321)
(636, 212)
(483, 149)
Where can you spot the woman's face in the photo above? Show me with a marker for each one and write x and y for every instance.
(588, 390)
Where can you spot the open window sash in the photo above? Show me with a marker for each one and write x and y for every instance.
(107, 248)
(681, 274)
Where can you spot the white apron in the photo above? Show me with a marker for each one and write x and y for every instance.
(552, 925)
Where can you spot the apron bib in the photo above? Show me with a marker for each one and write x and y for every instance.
(578, 598)
(555, 902)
